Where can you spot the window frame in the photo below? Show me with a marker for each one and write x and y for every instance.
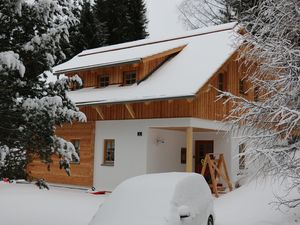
(242, 163)
(131, 80)
(107, 162)
(106, 82)
(242, 85)
(256, 94)
(73, 141)
(221, 82)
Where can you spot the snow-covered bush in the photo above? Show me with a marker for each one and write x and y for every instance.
(31, 37)
(13, 163)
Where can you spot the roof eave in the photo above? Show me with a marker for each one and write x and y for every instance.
(103, 65)
(93, 103)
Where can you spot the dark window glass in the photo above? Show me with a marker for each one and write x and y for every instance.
(242, 86)
(221, 82)
(256, 94)
(103, 81)
(129, 77)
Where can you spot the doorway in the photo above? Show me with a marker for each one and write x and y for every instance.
(201, 149)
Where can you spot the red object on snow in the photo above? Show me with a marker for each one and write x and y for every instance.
(6, 180)
(98, 192)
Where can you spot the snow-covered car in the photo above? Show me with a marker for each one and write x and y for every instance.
(158, 199)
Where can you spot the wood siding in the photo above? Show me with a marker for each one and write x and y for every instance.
(203, 106)
(91, 77)
(82, 173)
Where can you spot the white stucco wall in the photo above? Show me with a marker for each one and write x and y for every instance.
(164, 151)
(135, 155)
(130, 149)
(130, 153)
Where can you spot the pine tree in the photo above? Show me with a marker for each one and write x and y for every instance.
(30, 43)
(120, 20)
(137, 20)
(83, 35)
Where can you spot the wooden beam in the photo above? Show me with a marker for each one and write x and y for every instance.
(170, 101)
(190, 100)
(130, 110)
(189, 149)
(163, 54)
(147, 103)
(99, 111)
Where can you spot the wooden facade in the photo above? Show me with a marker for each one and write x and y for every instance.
(82, 172)
(203, 105)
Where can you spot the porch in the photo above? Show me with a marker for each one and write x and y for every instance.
(158, 146)
(205, 151)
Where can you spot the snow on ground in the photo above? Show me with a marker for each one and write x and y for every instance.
(252, 205)
(25, 204)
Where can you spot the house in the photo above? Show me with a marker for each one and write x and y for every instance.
(151, 107)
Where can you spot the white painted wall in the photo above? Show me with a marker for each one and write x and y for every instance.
(130, 153)
(136, 155)
(166, 156)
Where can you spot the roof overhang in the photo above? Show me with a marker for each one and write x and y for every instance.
(93, 103)
(100, 65)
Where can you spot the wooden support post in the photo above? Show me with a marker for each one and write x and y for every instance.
(190, 100)
(130, 110)
(99, 111)
(189, 149)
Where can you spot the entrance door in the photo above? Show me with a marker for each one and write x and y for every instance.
(201, 149)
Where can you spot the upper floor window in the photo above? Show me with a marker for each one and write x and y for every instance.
(256, 94)
(103, 81)
(242, 87)
(129, 78)
(76, 143)
(221, 82)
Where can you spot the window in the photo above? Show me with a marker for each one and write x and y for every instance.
(129, 78)
(242, 156)
(76, 143)
(109, 152)
(183, 155)
(242, 86)
(103, 81)
(221, 82)
(256, 94)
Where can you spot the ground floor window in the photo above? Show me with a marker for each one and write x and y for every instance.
(109, 152)
(76, 143)
(242, 156)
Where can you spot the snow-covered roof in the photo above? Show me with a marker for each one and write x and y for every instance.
(204, 52)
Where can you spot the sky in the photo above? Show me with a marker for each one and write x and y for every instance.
(163, 17)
